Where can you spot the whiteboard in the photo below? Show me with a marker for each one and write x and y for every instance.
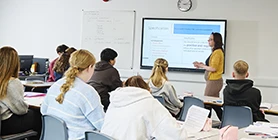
(109, 29)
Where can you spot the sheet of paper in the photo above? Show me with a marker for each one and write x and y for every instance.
(195, 119)
(265, 105)
(35, 101)
(262, 128)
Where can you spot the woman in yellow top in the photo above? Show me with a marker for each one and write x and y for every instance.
(214, 68)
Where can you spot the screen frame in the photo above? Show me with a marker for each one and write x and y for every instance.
(29, 58)
(180, 19)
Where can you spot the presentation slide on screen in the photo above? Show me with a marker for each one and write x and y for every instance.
(180, 42)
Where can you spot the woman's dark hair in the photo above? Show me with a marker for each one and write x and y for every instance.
(108, 54)
(61, 48)
(218, 43)
(62, 64)
(136, 81)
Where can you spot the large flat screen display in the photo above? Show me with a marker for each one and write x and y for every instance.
(179, 41)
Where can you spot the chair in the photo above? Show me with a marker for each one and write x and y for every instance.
(240, 116)
(188, 101)
(53, 128)
(17, 136)
(160, 99)
(94, 135)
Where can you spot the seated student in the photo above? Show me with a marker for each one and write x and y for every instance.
(16, 117)
(160, 86)
(134, 114)
(106, 78)
(240, 91)
(74, 101)
(60, 49)
(62, 64)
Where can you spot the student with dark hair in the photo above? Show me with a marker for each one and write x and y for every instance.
(106, 78)
(134, 114)
(214, 67)
(60, 49)
(62, 64)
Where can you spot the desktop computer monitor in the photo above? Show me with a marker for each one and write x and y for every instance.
(42, 65)
(26, 62)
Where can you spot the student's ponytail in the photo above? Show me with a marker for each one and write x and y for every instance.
(79, 61)
(159, 72)
(70, 77)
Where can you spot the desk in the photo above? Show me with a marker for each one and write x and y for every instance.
(36, 76)
(40, 85)
(34, 102)
(44, 85)
(273, 110)
(219, 102)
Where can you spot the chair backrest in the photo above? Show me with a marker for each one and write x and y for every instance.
(53, 128)
(188, 101)
(94, 135)
(240, 116)
(160, 99)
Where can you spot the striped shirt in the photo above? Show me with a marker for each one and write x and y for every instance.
(81, 109)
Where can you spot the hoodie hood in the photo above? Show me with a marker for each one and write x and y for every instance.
(238, 86)
(102, 65)
(125, 96)
(155, 89)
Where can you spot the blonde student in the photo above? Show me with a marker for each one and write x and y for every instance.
(16, 117)
(134, 114)
(160, 86)
(74, 101)
(240, 91)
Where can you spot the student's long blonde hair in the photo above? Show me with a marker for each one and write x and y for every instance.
(159, 72)
(9, 67)
(79, 61)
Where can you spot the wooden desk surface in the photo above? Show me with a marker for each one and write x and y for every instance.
(273, 110)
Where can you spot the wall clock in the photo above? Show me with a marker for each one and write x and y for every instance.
(184, 5)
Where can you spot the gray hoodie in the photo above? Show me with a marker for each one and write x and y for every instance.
(172, 103)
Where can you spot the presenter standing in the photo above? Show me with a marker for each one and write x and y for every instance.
(214, 68)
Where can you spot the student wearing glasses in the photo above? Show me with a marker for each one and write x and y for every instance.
(214, 67)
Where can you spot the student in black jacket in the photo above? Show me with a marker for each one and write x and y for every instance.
(240, 91)
(106, 78)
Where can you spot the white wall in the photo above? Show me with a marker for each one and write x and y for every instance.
(38, 26)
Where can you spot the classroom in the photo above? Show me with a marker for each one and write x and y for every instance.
(37, 27)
